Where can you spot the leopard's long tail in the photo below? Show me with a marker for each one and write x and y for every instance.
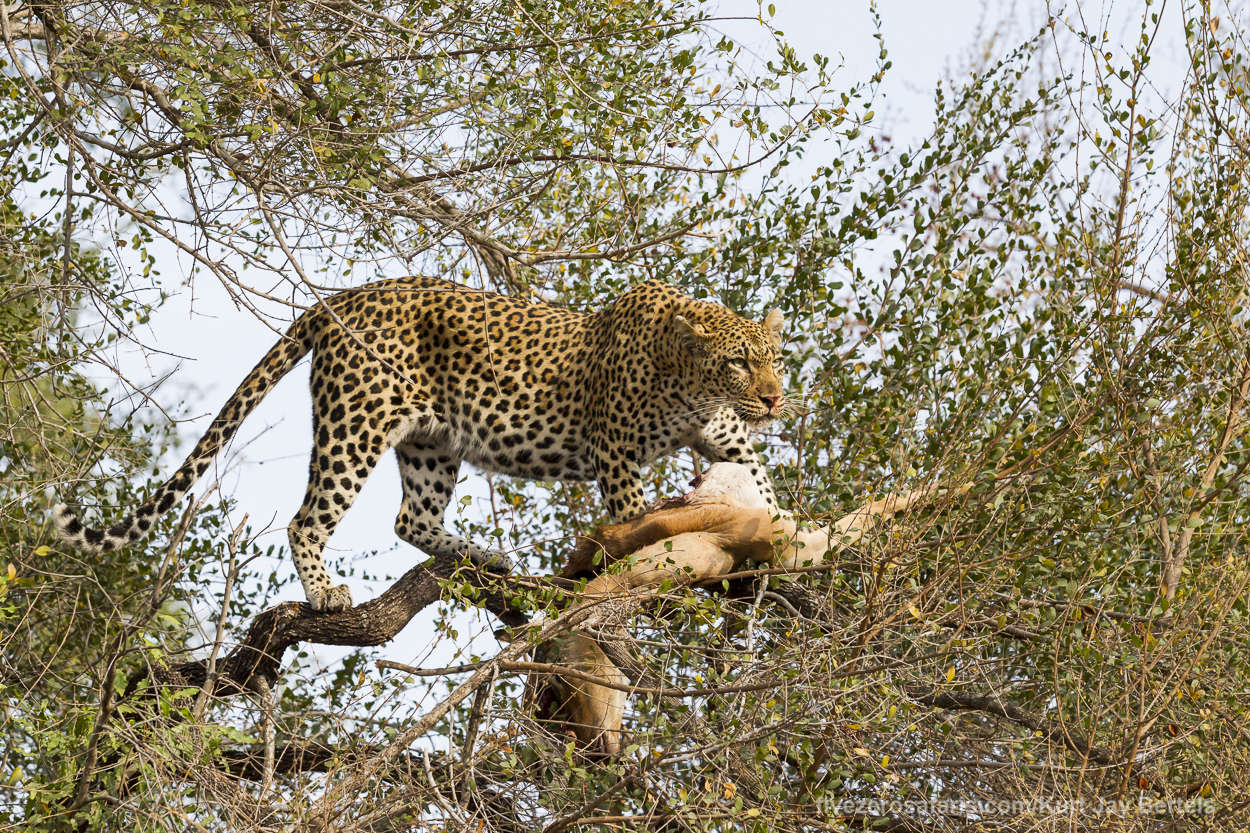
(278, 362)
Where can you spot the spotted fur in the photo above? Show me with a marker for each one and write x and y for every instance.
(445, 374)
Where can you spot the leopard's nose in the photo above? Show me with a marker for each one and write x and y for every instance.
(773, 402)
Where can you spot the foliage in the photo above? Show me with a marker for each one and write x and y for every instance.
(1040, 307)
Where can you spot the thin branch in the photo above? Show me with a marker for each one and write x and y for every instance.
(210, 679)
(993, 704)
(1176, 564)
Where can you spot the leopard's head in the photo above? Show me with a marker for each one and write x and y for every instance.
(730, 361)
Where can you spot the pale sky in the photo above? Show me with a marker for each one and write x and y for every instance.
(218, 344)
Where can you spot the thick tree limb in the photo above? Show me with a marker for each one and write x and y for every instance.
(375, 622)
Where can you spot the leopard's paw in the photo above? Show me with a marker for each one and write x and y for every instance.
(331, 601)
(492, 560)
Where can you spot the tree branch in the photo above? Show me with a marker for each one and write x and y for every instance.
(992, 704)
(1176, 562)
(375, 622)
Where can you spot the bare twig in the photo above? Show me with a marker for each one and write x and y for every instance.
(210, 679)
(1176, 563)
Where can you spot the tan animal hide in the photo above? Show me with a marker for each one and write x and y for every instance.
(711, 532)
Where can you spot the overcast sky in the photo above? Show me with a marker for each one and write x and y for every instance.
(212, 345)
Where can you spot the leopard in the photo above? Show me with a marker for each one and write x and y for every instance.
(447, 374)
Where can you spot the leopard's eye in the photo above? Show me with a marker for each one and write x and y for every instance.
(739, 363)
(779, 365)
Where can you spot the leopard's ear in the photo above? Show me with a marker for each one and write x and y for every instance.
(774, 322)
(694, 337)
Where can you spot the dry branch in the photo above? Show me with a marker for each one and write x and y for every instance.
(990, 704)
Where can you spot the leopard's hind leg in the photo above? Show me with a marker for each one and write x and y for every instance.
(429, 474)
(342, 459)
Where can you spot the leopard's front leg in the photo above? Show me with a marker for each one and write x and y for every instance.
(620, 482)
(727, 439)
